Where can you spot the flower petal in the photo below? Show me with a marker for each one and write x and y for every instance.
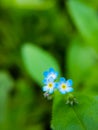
(51, 70)
(62, 91)
(45, 81)
(62, 79)
(56, 85)
(51, 90)
(50, 79)
(69, 83)
(45, 88)
(56, 74)
(69, 89)
(46, 73)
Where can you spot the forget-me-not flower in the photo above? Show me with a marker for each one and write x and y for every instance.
(50, 74)
(49, 85)
(65, 86)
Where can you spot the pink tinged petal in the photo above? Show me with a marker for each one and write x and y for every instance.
(69, 89)
(45, 88)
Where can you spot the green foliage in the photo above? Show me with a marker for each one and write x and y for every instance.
(82, 58)
(6, 84)
(37, 61)
(29, 4)
(34, 36)
(82, 116)
(86, 21)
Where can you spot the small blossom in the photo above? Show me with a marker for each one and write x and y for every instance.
(51, 73)
(65, 86)
(49, 85)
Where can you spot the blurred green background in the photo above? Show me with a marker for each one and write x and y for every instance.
(33, 33)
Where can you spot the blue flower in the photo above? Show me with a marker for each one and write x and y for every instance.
(50, 74)
(49, 85)
(65, 86)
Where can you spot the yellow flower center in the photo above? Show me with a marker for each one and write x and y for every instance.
(64, 86)
(50, 85)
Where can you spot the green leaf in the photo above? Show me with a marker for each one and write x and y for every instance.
(37, 61)
(80, 60)
(18, 107)
(28, 4)
(36, 127)
(86, 21)
(6, 84)
(92, 81)
(82, 116)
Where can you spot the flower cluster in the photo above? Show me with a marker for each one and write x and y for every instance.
(50, 85)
